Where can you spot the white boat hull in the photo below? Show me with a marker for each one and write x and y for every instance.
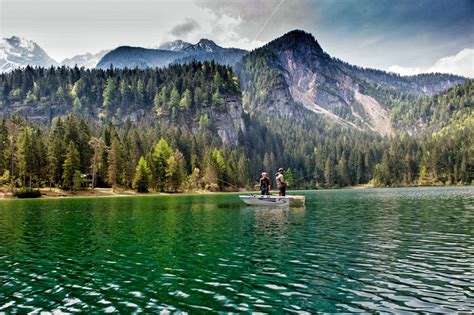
(260, 200)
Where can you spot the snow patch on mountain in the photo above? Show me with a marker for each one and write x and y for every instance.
(16, 52)
(88, 60)
(176, 45)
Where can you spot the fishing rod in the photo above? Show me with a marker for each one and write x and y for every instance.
(238, 188)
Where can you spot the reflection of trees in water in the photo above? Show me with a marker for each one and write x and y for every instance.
(274, 229)
(278, 220)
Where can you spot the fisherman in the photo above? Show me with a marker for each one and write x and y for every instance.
(265, 184)
(281, 184)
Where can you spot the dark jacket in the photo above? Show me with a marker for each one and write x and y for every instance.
(264, 183)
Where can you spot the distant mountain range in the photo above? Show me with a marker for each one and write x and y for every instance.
(172, 52)
(290, 77)
(87, 60)
(16, 52)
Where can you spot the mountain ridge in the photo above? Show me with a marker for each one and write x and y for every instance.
(181, 52)
(16, 52)
(294, 69)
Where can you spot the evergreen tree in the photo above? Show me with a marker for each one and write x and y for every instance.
(175, 171)
(185, 102)
(4, 145)
(160, 156)
(72, 164)
(97, 144)
(109, 94)
(290, 178)
(329, 172)
(77, 181)
(115, 162)
(142, 177)
(174, 98)
(26, 157)
(217, 99)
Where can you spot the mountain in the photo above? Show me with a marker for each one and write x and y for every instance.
(176, 45)
(172, 52)
(137, 57)
(293, 74)
(16, 52)
(87, 60)
(433, 113)
(207, 50)
(287, 104)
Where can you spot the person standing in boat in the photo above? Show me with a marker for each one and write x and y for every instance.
(281, 183)
(265, 184)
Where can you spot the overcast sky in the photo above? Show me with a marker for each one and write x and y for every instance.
(407, 36)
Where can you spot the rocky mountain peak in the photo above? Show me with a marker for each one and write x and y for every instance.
(176, 45)
(17, 52)
(297, 40)
(204, 45)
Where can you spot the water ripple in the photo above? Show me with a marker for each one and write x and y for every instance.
(389, 250)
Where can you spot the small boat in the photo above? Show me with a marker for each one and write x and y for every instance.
(272, 200)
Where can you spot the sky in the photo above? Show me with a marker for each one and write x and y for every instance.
(404, 36)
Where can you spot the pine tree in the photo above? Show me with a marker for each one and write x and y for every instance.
(343, 171)
(215, 174)
(329, 172)
(115, 162)
(185, 102)
(175, 171)
(77, 105)
(77, 180)
(174, 98)
(4, 144)
(160, 156)
(217, 99)
(109, 94)
(139, 95)
(97, 144)
(142, 177)
(290, 178)
(26, 157)
(72, 164)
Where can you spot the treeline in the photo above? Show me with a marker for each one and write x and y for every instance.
(436, 111)
(74, 153)
(161, 152)
(117, 93)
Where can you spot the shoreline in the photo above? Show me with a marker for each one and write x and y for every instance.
(57, 193)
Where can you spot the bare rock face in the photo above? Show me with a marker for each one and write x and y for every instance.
(293, 71)
(229, 120)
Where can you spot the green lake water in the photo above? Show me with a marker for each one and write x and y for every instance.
(390, 250)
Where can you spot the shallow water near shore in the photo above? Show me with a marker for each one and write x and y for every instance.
(408, 249)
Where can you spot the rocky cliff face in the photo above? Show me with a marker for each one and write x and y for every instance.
(304, 75)
(226, 121)
(293, 71)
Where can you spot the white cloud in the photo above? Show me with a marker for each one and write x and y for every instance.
(461, 64)
(219, 27)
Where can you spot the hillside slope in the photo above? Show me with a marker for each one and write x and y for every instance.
(294, 70)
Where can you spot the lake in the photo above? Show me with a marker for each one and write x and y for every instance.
(389, 250)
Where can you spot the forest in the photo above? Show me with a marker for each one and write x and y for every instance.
(75, 128)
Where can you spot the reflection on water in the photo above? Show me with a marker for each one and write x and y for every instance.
(347, 251)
